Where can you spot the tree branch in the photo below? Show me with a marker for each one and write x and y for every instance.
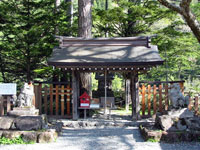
(170, 6)
(184, 10)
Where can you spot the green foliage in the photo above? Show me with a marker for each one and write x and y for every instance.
(127, 18)
(192, 86)
(94, 82)
(18, 140)
(152, 140)
(179, 49)
(27, 30)
(117, 83)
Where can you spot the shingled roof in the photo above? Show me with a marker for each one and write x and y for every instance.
(105, 52)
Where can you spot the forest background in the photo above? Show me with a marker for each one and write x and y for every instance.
(28, 29)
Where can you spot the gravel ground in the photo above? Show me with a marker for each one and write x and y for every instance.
(108, 138)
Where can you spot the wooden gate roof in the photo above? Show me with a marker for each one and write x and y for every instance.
(129, 52)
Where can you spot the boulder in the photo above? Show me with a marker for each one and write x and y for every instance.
(29, 136)
(57, 126)
(176, 97)
(193, 123)
(11, 134)
(28, 123)
(181, 113)
(181, 126)
(6, 122)
(46, 137)
(165, 122)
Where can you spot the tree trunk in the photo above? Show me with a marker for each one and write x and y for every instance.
(85, 18)
(70, 12)
(85, 30)
(57, 4)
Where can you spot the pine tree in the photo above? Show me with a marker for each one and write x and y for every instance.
(27, 37)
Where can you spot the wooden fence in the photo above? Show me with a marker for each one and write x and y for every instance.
(154, 97)
(54, 99)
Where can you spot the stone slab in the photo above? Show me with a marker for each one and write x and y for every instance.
(24, 112)
(28, 123)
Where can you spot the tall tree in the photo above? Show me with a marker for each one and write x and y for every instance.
(184, 10)
(27, 37)
(85, 31)
(70, 11)
(85, 18)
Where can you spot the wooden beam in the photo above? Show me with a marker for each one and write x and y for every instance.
(75, 97)
(1, 106)
(149, 100)
(51, 99)
(36, 92)
(143, 99)
(154, 99)
(8, 104)
(57, 100)
(40, 98)
(45, 99)
(135, 96)
(62, 101)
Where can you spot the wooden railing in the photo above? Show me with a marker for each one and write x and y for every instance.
(154, 97)
(54, 98)
(5, 105)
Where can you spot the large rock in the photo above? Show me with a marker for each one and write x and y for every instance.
(150, 134)
(29, 136)
(181, 113)
(11, 134)
(193, 123)
(6, 122)
(57, 126)
(46, 137)
(181, 125)
(176, 97)
(165, 122)
(28, 123)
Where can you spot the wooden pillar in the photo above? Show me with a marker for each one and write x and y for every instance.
(75, 96)
(8, 103)
(40, 98)
(135, 96)
(128, 94)
(36, 95)
(1, 106)
(78, 92)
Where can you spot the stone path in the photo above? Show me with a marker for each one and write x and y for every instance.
(103, 138)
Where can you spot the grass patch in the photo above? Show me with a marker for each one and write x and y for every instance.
(152, 140)
(19, 140)
(122, 111)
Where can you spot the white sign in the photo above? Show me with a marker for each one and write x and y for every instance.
(8, 88)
